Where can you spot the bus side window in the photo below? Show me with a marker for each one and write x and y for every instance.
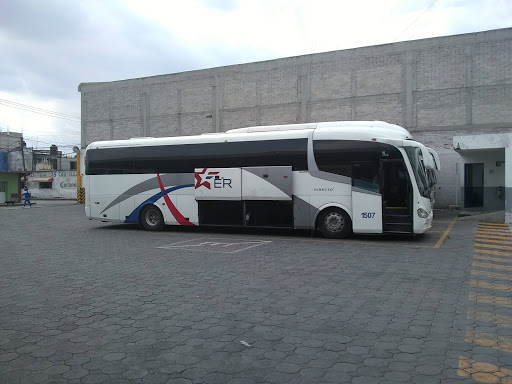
(333, 163)
(343, 168)
(365, 175)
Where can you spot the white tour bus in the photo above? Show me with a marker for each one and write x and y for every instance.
(337, 177)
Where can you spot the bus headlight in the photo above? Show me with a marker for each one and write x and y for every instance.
(422, 213)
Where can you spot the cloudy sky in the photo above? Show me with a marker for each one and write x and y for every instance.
(49, 47)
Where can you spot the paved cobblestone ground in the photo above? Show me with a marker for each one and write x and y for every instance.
(90, 302)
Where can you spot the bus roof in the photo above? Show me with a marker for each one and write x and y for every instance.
(353, 126)
(347, 130)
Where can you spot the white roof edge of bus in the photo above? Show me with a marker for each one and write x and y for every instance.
(330, 124)
(141, 138)
(270, 128)
(375, 129)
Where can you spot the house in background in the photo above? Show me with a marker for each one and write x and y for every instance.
(12, 177)
(53, 175)
(48, 173)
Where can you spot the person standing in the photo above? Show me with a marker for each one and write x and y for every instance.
(27, 196)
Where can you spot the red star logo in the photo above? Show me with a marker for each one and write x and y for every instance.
(199, 178)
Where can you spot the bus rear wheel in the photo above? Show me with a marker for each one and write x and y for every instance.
(151, 218)
(334, 223)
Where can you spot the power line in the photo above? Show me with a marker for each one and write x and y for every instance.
(35, 109)
(60, 145)
(48, 139)
(39, 111)
(49, 143)
(415, 20)
(35, 133)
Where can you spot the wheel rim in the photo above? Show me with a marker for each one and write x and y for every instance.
(334, 222)
(152, 217)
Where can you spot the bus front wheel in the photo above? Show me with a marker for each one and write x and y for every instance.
(151, 219)
(334, 223)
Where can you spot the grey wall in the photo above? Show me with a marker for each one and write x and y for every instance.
(9, 141)
(436, 88)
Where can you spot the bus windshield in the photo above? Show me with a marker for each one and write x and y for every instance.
(437, 166)
(418, 167)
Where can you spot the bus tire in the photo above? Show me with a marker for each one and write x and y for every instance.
(151, 218)
(334, 223)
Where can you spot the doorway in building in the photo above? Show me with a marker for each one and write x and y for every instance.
(473, 185)
(3, 191)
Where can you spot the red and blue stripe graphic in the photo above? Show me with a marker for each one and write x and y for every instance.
(174, 211)
(134, 216)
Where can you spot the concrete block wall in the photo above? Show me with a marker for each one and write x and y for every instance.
(433, 87)
(9, 141)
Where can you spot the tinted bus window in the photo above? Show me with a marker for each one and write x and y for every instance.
(110, 161)
(160, 159)
(185, 158)
(338, 156)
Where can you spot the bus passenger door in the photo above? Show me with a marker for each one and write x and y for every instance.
(397, 197)
(366, 198)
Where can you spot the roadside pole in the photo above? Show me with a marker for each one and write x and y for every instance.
(80, 192)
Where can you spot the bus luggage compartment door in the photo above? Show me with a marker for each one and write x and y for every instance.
(267, 183)
(218, 192)
(367, 212)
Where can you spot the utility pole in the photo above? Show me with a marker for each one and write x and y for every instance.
(22, 145)
(80, 192)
